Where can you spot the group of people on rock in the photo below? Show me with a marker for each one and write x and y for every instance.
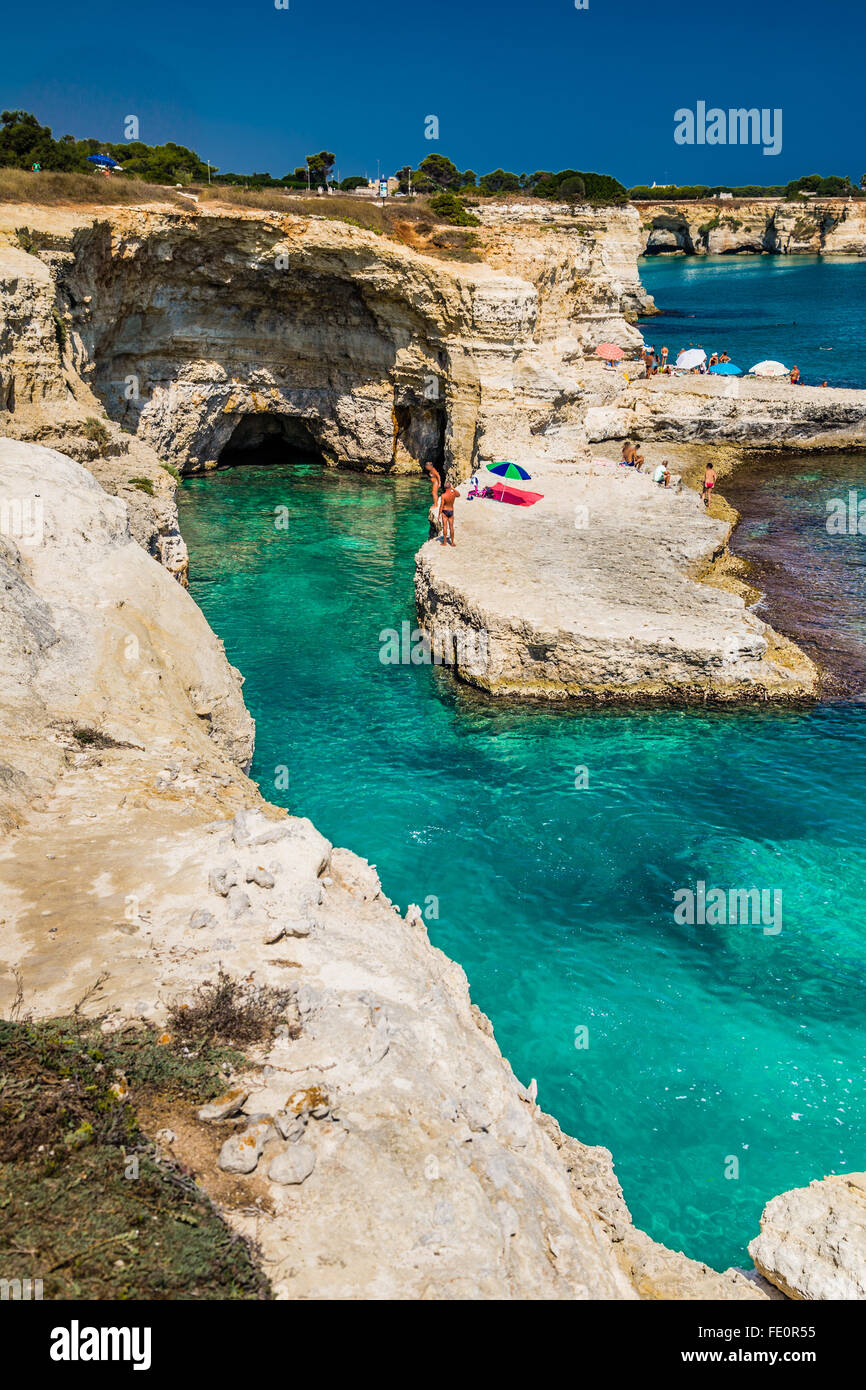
(441, 512)
(658, 364)
(633, 458)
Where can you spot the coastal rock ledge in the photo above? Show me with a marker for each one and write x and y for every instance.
(593, 594)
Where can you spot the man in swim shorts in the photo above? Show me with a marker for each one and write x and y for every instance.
(709, 483)
(446, 513)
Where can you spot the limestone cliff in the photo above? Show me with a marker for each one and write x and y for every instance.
(592, 594)
(815, 226)
(204, 334)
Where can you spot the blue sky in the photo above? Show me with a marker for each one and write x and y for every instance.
(523, 86)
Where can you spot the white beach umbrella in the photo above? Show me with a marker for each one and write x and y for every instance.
(692, 357)
(769, 368)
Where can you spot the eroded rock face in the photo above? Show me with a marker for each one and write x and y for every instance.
(205, 335)
(85, 613)
(43, 398)
(813, 1240)
(697, 409)
(821, 226)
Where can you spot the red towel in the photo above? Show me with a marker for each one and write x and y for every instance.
(516, 495)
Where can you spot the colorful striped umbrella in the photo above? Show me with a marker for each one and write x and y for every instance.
(508, 470)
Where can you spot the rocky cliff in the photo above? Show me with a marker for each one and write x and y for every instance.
(815, 226)
(592, 593)
(148, 340)
(205, 334)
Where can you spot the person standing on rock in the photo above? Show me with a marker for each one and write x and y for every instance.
(437, 482)
(664, 358)
(709, 483)
(446, 512)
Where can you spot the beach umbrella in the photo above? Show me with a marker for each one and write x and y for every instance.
(611, 352)
(692, 357)
(508, 470)
(726, 369)
(104, 159)
(769, 368)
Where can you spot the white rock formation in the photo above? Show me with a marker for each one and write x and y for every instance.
(819, 226)
(813, 1240)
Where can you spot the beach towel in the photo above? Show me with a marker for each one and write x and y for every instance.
(518, 497)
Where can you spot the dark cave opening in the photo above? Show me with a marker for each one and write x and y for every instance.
(270, 439)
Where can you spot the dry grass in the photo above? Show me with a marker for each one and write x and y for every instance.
(363, 212)
(409, 222)
(47, 189)
(229, 1010)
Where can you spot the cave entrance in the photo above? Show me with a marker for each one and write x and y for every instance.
(270, 439)
(420, 432)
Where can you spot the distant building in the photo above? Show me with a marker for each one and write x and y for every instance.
(384, 187)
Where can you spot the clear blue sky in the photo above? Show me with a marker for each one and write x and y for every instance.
(529, 85)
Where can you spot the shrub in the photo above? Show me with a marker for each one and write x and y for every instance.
(230, 1010)
(95, 431)
(449, 208)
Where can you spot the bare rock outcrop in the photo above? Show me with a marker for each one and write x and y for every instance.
(714, 227)
(590, 593)
(813, 1240)
(205, 334)
(701, 409)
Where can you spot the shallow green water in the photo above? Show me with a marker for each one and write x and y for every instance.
(706, 1043)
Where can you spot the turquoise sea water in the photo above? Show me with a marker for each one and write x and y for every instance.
(804, 309)
(705, 1043)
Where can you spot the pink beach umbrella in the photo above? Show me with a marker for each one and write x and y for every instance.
(611, 352)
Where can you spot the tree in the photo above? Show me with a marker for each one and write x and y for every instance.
(449, 208)
(573, 190)
(500, 181)
(320, 166)
(354, 181)
(439, 171)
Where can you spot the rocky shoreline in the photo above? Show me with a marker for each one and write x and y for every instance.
(405, 1158)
